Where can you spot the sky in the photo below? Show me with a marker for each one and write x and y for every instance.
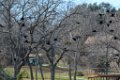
(114, 3)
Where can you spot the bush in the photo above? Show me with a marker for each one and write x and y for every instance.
(4, 75)
(80, 73)
(23, 74)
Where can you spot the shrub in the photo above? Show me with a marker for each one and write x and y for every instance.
(4, 75)
(23, 74)
(80, 73)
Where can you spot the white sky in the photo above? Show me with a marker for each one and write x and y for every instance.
(115, 3)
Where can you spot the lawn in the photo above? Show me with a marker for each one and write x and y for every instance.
(61, 74)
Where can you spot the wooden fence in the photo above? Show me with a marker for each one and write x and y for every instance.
(101, 74)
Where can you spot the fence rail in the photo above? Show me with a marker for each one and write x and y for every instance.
(98, 71)
(101, 74)
(105, 77)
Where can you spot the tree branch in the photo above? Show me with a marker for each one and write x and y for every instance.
(61, 56)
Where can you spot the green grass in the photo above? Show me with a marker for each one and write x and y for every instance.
(61, 74)
(9, 71)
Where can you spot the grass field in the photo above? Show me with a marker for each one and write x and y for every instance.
(61, 74)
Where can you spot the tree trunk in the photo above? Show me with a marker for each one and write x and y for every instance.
(75, 72)
(69, 71)
(15, 74)
(75, 66)
(52, 70)
(31, 72)
(16, 71)
(36, 73)
(41, 71)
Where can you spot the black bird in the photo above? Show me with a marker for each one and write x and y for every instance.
(25, 36)
(110, 21)
(108, 25)
(23, 25)
(116, 54)
(48, 42)
(26, 41)
(94, 31)
(100, 22)
(65, 49)
(78, 22)
(14, 59)
(111, 30)
(22, 18)
(55, 39)
(74, 38)
(115, 38)
(100, 14)
(107, 10)
(112, 15)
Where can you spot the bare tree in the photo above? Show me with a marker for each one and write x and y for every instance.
(28, 24)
